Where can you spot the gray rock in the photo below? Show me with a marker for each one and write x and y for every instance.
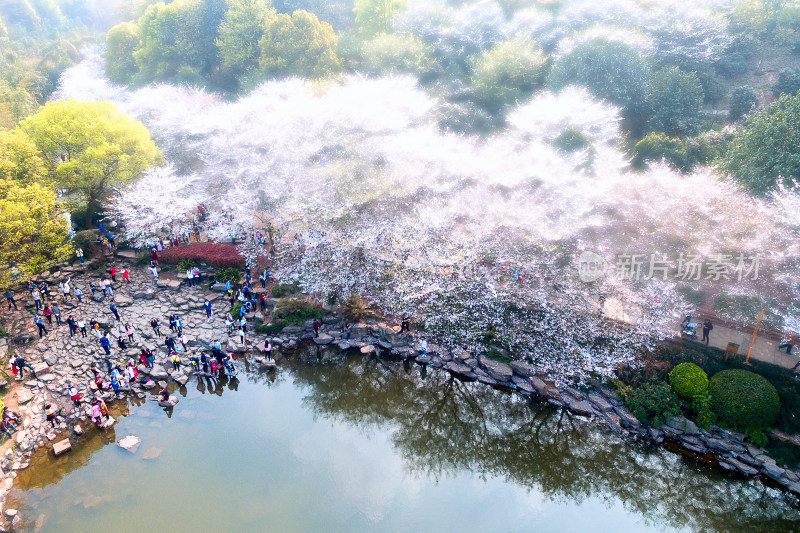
(521, 368)
(158, 372)
(123, 301)
(62, 446)
(130, 443)
(523, 384)
(182, 379)
(323, 339)
(496, 369)
(538, 384)
(581, 407)
(600, 403)
(683, 425)
(458, 368)
(145, 295)
(370, 349)
(730, 463)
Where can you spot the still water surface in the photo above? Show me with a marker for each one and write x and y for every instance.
(364, 445)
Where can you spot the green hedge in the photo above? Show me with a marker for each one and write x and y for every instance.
(652, 403)
(744, 401)
(688, 380)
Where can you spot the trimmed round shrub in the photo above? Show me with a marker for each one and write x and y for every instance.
(744, 401)
(688, 380)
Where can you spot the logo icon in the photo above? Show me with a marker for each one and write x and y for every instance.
(591, 267)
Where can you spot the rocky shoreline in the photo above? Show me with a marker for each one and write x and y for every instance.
(61, 361)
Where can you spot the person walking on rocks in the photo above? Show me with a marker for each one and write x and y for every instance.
(229, 323)
(241, 334)
(9, 294)
(156, 328)
(172, 323)
(78, 295)
(169, 342)
(316, 324)
(65, 289)
(48, 314)
(129, 332)
(707, 327)
(154, 270)
(182, 338)
(176, 361)
(106, 344)
(209, 311)
(56, 314)
(121, 343)
(39, 324)
(268, 350)
(113, 308)
(79, 254)
(37, 298)
(72, 326)
(82, 325)
(179, 324)
(20, 363)
(125, 276)
(189, 277)
(113, 271)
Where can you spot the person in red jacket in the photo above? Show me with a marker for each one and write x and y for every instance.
(113, 271)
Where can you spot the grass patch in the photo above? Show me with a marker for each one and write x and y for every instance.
(268, 328)
(296, 310)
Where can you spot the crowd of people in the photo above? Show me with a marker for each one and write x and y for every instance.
(47, 317)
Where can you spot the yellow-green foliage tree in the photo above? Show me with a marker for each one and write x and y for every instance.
(507, 73)
(90, 147)
(397, 53)
(121, 42)
(374, 16)
(298, 45)
(33, 234)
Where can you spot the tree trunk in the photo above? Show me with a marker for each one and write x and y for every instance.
(91, 207)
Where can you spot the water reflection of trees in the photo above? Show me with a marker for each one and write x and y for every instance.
(444, 425)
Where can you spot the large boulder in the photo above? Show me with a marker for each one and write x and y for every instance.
(323, 339)
(496, 369)
(158, 372)
(130, 443)
(123, 301)
(521, 368)
(144, 295)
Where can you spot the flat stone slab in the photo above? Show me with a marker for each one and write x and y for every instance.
(62, 446)
(24, 396)
(108, 423)
(41, 369)
(323, 339)
(368, 349)
(496, 369)
(130, 443)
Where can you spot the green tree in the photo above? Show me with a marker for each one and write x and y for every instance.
(675, 100)
(507, 73)
(239, 33)
(396, 53)
(609, 69)
(656, 146)
(743, 100)
(170, 38)
(33, 234)
(788, 82)
(90, 147)
(300, 45)
(121, 42)
(374, 16)
(20, 160)
(766, 149)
